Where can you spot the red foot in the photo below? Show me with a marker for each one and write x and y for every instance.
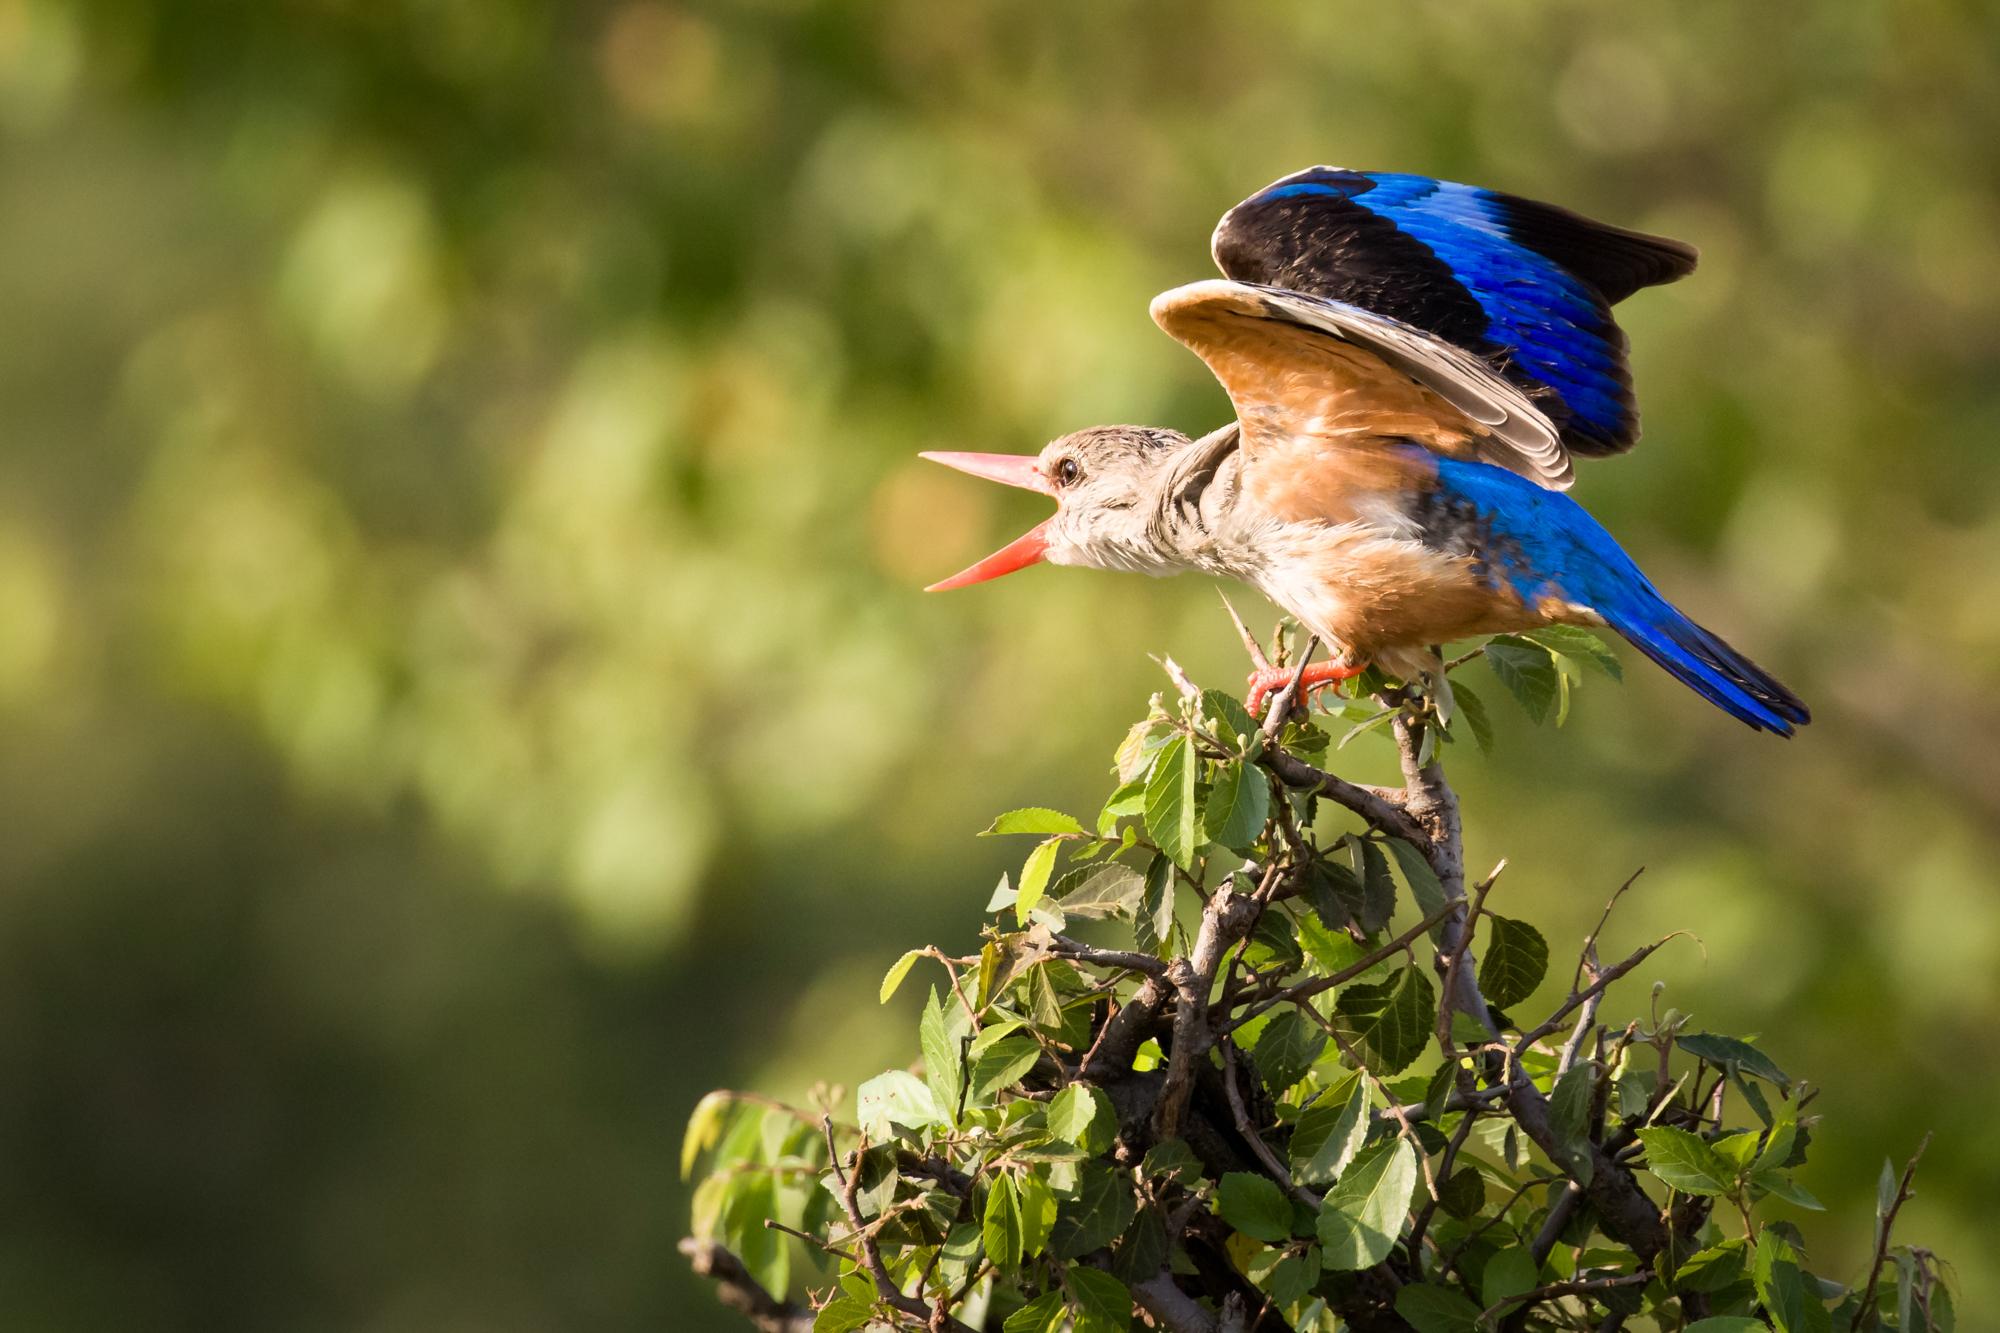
(1272, 680)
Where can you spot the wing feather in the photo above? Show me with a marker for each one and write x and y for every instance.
(1299, 364)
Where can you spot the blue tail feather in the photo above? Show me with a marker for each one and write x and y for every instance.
(1545, 544)
(1703, 662)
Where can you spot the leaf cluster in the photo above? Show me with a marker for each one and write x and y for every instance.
(1287, 1073)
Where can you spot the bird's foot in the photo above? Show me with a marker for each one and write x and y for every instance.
(1272, 680)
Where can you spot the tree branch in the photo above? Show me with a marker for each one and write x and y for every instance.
(735, 1288)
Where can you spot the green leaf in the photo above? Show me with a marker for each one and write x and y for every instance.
(704, 1128)
(1083, 1116)
(843, 1316)
(1723, 1323)
(1155, 918)
(1108, 891)
(1129, 799)
(1035, 878)
(1274, 940)
(1034, 819)
(1255, 1206)
(1528, 672)
(1238, 805)
(1097, 1215)
(1330, 950)
(1363, 1214)
(1103, 1303)
(1729, 1052)
(1233, 720)
(1002, 1064)
(1685, 1162)
(1713, 1268)
(1473, 711)
(1509, 1273)
(1394, 1019)
(1172, 1160)
(1295, 1277)
(1423, 881)
(1143, 1249)
(1335, 894)
(1780, 1185)
(1580, 644)
(1378, 890)
(900, 970)
(1037, 1203)
(1044, 1314)
(754, 1197)
(1431, 1309)
(1569, 1119)
(1286, 1049)
(1774, 1268)
(1517, 958)
(1000, 1227)
(944, 1062)
(1330, 1132)
(1464, 1194)
(1171, 808)
(897, 1097)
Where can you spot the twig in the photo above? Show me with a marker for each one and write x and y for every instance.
(1077, 951)
(871, 1249)
(1249, 640)
(1281, 707)
(1252, 1137)
(1557, 1289)
(1429, 1210)
(1307, 989)
(1380, 806)
(773, 1224)
(1585, 1019)
(1591, 942)
(1597, 988)
(1445, 1264)
(738, 1290)
(1868, 1301)
(1552, 1225)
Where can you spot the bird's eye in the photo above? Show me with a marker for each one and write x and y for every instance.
(1067, 472)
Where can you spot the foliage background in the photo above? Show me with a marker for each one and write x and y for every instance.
(463, 689)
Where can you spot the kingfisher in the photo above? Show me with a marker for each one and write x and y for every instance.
(1394, 477)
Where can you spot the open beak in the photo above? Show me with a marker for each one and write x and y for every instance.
(1014, 470)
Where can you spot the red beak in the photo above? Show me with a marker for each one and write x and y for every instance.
(1014, 470)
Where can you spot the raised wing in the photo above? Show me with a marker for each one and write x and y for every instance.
(1297, 365)
(1526, 286)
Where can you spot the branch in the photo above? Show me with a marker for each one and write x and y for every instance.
(871, 1249)
(1378, 805)
(1281, 707)
(1076, 951)
(735, 1288)
(1597, 988)
(1250, 1134)
(1556, 1289)
(1868, 1302)
(1225, 917)
(1306, 989)
(1171, 1307)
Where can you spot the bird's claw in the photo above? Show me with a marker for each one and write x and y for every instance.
(1273, 680)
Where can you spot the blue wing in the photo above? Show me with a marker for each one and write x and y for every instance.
(1542, 543)
(1526, 285)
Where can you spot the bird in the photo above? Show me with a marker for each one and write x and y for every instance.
(1525, 286)
(1391, 489)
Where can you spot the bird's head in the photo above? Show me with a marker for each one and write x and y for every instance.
(1107, 484)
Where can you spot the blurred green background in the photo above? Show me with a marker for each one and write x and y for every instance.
(463, 686)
